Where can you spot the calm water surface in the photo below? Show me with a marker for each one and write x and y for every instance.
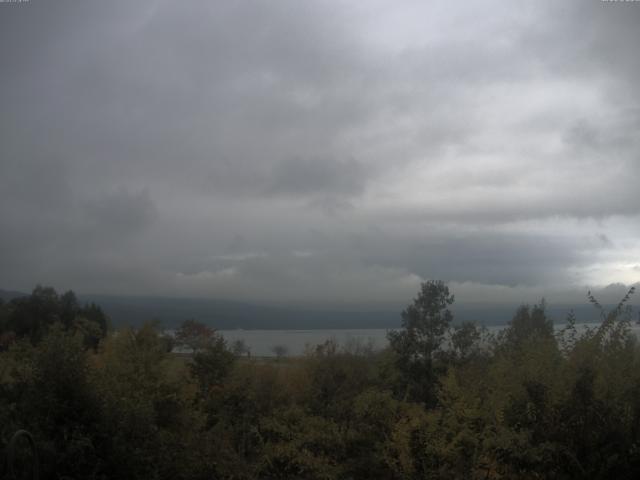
(261, 342)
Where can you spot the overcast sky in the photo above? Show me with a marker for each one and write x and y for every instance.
(325, 151)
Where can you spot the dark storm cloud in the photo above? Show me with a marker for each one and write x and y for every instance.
(317, 149)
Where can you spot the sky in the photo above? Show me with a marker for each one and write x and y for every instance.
(320, 151)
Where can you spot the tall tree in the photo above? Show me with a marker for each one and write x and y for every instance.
(418, 344)
(528, 324)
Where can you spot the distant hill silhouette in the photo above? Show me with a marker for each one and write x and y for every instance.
(228, 315)
(7, 295)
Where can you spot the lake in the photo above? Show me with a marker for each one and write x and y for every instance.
(261, 342)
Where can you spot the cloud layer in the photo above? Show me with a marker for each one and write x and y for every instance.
(319, 151)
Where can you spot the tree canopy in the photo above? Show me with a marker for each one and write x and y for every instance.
(443, 401)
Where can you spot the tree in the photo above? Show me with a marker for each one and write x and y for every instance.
(466, 341)
(95, 314)
(194, 335)
(68, 304)
(147, 429)
(529, 323)
(212, 364)
(212, 360)
(418, 344)
(279, 351)
(59, 405)
(33, 315)
(240, 348)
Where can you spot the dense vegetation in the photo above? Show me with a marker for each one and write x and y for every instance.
(441, 401)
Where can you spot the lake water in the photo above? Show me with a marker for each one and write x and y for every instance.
(261, 342)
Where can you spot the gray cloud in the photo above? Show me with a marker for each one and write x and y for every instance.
(318, 150)
(121, 211)
(312, 176)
